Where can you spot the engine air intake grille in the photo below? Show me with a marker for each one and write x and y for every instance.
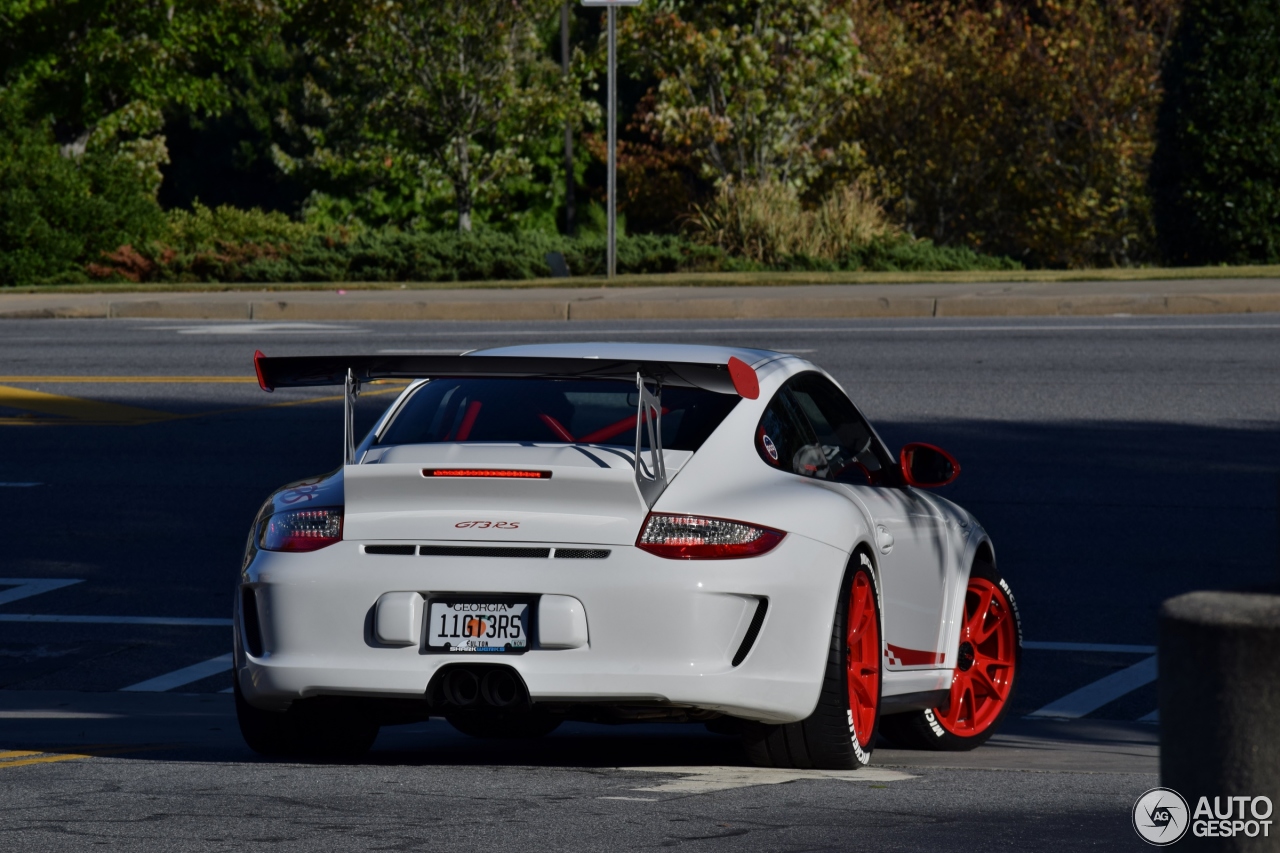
(483, 551)
(581, 553)
(402, 550)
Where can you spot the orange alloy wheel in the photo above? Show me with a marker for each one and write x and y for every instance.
(986, 661)
(863, 668)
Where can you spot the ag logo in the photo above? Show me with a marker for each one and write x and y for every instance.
(769, 447)
(1160, 816)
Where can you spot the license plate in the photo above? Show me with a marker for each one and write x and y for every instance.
(478, 626)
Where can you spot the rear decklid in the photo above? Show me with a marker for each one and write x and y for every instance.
(485, 492)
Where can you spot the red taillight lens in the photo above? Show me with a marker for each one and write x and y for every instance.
(692, 537)
(301, 529)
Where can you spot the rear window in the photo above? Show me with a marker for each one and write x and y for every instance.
(550, 410)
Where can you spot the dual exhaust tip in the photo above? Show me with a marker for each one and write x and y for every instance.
(479, 687)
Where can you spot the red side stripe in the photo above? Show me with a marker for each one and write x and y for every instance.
(914, 657)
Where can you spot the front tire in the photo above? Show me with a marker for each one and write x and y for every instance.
(841, 731)
(983, 682)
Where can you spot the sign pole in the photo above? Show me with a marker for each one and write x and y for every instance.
(612, 191)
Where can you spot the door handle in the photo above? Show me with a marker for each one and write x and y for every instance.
(884, 539)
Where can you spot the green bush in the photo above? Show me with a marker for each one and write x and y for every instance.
(1216, 177)
(58, 213)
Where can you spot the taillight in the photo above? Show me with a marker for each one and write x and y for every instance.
(692, 537)
(301, 529)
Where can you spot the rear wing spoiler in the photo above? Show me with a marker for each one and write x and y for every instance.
(735, 377)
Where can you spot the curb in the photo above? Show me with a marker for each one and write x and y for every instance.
(678, 309)
(665, 303)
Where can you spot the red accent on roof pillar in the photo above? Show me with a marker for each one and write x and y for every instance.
(745, 381)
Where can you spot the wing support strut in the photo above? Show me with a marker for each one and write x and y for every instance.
(349, 418)
(651, 480)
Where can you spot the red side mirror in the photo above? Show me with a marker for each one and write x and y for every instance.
(926, 466)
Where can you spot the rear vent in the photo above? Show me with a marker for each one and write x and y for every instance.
(401, 550)
(252, 636)
(753, 631)
(483, 551)
(581, 553)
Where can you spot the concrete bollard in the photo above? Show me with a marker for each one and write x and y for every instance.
(1220, 716)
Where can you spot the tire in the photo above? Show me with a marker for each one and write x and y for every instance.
(841, 731)
(983, 684)
(309, 729)
(530, 724)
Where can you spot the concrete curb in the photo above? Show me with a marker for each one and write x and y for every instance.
(670, 303)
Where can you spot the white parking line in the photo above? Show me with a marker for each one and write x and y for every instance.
(1089, 647)
(27, 587)
(114, 620)
(1093, 696)
(703, 780)
(179, 677)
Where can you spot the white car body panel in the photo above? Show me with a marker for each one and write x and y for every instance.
(646, 629)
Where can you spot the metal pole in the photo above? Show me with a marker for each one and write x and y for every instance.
(568, 127)
(612, 190)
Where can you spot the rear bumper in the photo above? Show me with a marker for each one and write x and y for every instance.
(659, 630)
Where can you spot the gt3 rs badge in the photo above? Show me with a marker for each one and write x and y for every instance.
(496, 525)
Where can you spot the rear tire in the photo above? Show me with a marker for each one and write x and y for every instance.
(841, 731)
(530, 724)
(983, 683)
(309, 729)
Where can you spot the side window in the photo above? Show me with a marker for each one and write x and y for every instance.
(834, 442)
(785, 439)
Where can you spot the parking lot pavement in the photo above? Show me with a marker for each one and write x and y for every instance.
(169, 772)
(1116, 462)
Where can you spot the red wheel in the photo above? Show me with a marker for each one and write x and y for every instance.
(862, 670)
(986, 661)
(983, 679)
(841, 731)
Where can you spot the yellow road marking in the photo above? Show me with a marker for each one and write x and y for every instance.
(43, 759)
(93, 413)
(24, 758)
(76, 408)
(136, 380)
(144, 380)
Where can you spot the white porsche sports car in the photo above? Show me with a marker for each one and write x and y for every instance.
(618, 533)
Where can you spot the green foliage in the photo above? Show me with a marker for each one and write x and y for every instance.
(109, 71)
(1022, 128)
(58, 212)
(752, 88)
(444, 100)
(1217, 174)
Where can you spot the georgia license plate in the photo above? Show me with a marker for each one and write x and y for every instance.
(478, 626)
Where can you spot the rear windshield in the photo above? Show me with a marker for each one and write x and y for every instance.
(550, 410)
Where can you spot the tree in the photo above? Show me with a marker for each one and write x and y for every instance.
(449, 94)
(752, 89)
(108, 72)
(1217, 172)
(1023, 127)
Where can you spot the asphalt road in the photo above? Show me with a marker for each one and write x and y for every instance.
(1115, 461)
